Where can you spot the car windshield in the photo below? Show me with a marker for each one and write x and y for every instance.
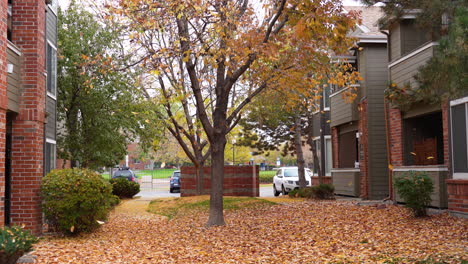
(290, 173)
(176, 174)
(123, 173)
(294, 173)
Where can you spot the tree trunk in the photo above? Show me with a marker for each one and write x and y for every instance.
(216, 217)
(299, 152)
(199, 177)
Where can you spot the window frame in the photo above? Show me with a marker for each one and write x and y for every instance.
(53, 155)
(54, 7)
(461, 101)
(54, 48)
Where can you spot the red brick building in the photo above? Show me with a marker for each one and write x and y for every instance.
(28, 64)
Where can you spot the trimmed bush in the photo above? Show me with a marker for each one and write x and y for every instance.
(124, 188)
(415, 188)
(15, 242)
(322, 191)
(75, 199)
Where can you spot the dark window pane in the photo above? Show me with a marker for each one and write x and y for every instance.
(347, 150)
(459, 138)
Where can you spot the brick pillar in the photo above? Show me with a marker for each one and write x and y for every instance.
(28, 126)
(3, 103)
(364, 151)
(396, 136)
(335, 147)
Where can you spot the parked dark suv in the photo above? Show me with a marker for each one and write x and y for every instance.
(125, 173)
(175, 181)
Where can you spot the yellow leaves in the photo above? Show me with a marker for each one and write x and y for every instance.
(84, 57)
(390, 166)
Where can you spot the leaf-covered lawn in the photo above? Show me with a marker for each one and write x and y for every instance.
(301, 232)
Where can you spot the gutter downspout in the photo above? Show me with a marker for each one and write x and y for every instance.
(387, 136)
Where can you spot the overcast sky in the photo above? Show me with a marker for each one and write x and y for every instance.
(64, 3)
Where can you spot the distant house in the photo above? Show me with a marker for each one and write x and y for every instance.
(358, 128)
(429, 138)
(133, 159)
(28, 91)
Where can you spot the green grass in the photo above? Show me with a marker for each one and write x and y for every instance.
(267, 176)
(156, 174)
(173, 207)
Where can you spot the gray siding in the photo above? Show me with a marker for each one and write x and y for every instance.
(51, 118)
(316, 124)
(403, 73)
(395, 42)
(376, 82)
(51, 35)
(341, 111)
(51, 26)
(346, 182)
(412, 37)
(14, 81)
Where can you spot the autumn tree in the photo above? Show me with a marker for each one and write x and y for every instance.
(217, 55)
(96, 100)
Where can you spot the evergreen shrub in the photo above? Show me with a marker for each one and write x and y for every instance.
(75, 199)
(415, 188)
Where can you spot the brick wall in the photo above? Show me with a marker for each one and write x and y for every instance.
(335, 147)
(238, 181)
(28, 126)
(364, 150)
(325, 180)
(3, 103)
(396, 136)
(458, 196)
(445, 128)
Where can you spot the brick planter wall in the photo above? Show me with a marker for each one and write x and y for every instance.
(326, 180)
(458, 196)
(238, 181)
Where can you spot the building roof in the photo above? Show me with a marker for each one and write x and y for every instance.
(368, 30)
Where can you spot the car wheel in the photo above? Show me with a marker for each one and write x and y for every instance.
(283, 190)
(275, 192)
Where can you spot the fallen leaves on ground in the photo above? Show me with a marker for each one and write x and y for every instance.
(302, 232)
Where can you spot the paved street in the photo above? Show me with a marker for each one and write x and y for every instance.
(159, 188)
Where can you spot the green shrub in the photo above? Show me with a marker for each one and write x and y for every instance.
(322, 191)
(124, 188)
(293, 193)
(302, 192)
(16, 241)
(114, 200)
(75, 199)
(415, 188)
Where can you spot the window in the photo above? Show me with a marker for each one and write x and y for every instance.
(326, 97)
(328, 155)
(459, 116)
(10, 20)
(54, 6)
(49, 159)
(423, 137)
(348, 149)
(51, 70)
